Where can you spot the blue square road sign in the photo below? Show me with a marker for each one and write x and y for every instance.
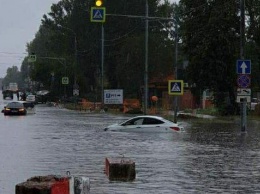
(243, 66)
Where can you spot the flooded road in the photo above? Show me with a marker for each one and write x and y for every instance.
(209, 157)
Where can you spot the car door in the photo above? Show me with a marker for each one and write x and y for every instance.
(153, 125)
(133, 125)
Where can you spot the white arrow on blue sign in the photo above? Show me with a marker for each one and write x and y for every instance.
(243, 66)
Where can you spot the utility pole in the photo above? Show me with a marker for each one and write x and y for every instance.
(146, 89)
(98, 14)
(242, 56)
(75, 86)
(76, 58)
(176, 65)
(242, 28)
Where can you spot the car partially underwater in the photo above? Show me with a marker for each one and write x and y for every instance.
(146, 123)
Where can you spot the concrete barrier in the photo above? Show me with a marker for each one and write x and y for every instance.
(81, 185)
(53, 184)
(120, 169)
(50, 184)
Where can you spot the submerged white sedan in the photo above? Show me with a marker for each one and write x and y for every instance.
(146, 123)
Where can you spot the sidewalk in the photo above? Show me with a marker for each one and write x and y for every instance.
(194, 114)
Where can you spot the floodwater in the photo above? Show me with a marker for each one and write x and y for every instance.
(208, 157)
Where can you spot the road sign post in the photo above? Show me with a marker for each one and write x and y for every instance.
(175, 87)
(243, 69)
(98, 14)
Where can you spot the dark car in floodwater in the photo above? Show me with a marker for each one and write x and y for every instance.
(14, 108)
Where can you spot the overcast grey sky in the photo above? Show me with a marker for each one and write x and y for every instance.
(19, 21)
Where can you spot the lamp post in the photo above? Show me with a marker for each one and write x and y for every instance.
(75, 52)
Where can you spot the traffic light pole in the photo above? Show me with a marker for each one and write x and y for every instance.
(100, 11)
(102, 67)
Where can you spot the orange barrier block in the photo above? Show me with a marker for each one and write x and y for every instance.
(60, 187)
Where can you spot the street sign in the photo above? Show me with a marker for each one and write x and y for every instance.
(243, 66)
(98, 14)
(65, 80)
(175, 87)
(75, 92)
(32, 58)
(113, 96)
(244, 92)
(243, 81)
(241, 98)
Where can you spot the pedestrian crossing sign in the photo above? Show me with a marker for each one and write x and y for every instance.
(175, 87)
(98, 14)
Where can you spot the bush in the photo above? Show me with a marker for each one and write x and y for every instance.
(229, 109)
(257, 109)
(135, 111)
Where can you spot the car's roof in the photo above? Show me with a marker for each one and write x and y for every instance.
(14, 104)
(148, 116)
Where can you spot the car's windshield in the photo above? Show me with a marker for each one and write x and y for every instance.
(15, 105)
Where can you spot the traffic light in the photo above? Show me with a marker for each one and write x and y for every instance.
(99, 3)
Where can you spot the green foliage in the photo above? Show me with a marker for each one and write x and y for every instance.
(210, 35)
(69, 23)
(253, 45)
(209, 40)
(13, 75)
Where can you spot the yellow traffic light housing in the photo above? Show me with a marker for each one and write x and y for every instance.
(98, 3)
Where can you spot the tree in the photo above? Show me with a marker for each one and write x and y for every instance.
(210, 34)
(253, 41)
(124, 44)
(13, 75)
